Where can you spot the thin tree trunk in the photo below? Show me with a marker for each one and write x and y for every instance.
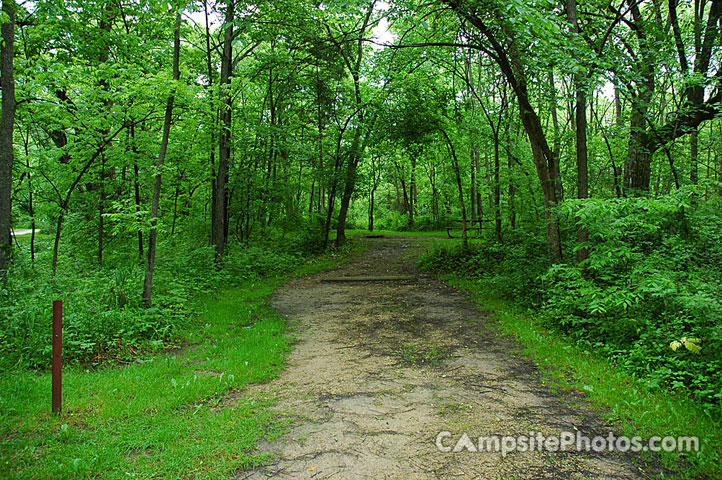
(412, 191)
(719, 175)
(477, 167)
(358, 144)
(460, 186)
(101, 210)
(136, 185)
(224, 141)
(497, 187)
(175, 209)
(371, 210)
(31, 204)
(319, 119)
(557, 141)
(56, 244)
(349, 185)
(155, 205)
(694, 155)
(512, 186)
(580, 124)
(7, 124)
(472, 195)
(214, 123)
(512, 194)
(619, 125)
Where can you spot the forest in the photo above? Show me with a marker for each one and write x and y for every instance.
(153, 153)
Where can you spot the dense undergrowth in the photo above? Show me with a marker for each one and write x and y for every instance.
(104, 318)
(649, 297)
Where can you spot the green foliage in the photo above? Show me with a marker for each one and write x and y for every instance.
(255, 262)
(103, 314)
(509, 270)
(196, 429)
(634, 409)
(653, 278)
(99, 316)
(651, 285)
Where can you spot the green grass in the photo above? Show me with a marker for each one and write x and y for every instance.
(180, 414)
(618, 397)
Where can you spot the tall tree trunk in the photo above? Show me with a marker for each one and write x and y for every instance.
(349, 185)
(472, 194)
(477, 167)
(150, 261)
(371, 209)
(431, 173)
(694, 155)
(512, 193)
(497, 187)
(557, 141)
(214, 123)
(580, 124)
(7, 124)
(224, 138)
(412, 191)
(619, 125)
(101, 210)
(358, 145)
(175, 208)
(56, 243)
(31, 204)
(510, 170)
(460, 186)
(136, 186)
(719, 164)
(105, 24)
(319, 122)
(638, 166)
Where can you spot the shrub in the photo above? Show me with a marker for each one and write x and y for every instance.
(652, 282)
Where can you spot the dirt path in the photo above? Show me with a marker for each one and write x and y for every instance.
(380, 368)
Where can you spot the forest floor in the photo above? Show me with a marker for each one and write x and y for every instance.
(379, 368)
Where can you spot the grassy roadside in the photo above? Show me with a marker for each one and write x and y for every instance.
(180, 414)
(616, 395)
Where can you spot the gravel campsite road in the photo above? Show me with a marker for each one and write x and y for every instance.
(383, 365)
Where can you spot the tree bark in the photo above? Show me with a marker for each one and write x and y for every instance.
(31, 204)
(497, 187)
(358, 145)
(460, 186)
(580, 124)
(371, 209)
(155, 205)
(511, 65)
(136, 186)
(101, 210)
(637, 169)
(694, 155)
(220, 198)
(7, 125)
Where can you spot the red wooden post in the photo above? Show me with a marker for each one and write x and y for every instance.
(57, 356)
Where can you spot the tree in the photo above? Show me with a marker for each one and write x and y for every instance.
(152, 237)
(513, 65)
(7, 124)
(220, 194)
(581, 134)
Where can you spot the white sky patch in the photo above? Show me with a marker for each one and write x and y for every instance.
(608, 90)
(199, 18)
(382, 35)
